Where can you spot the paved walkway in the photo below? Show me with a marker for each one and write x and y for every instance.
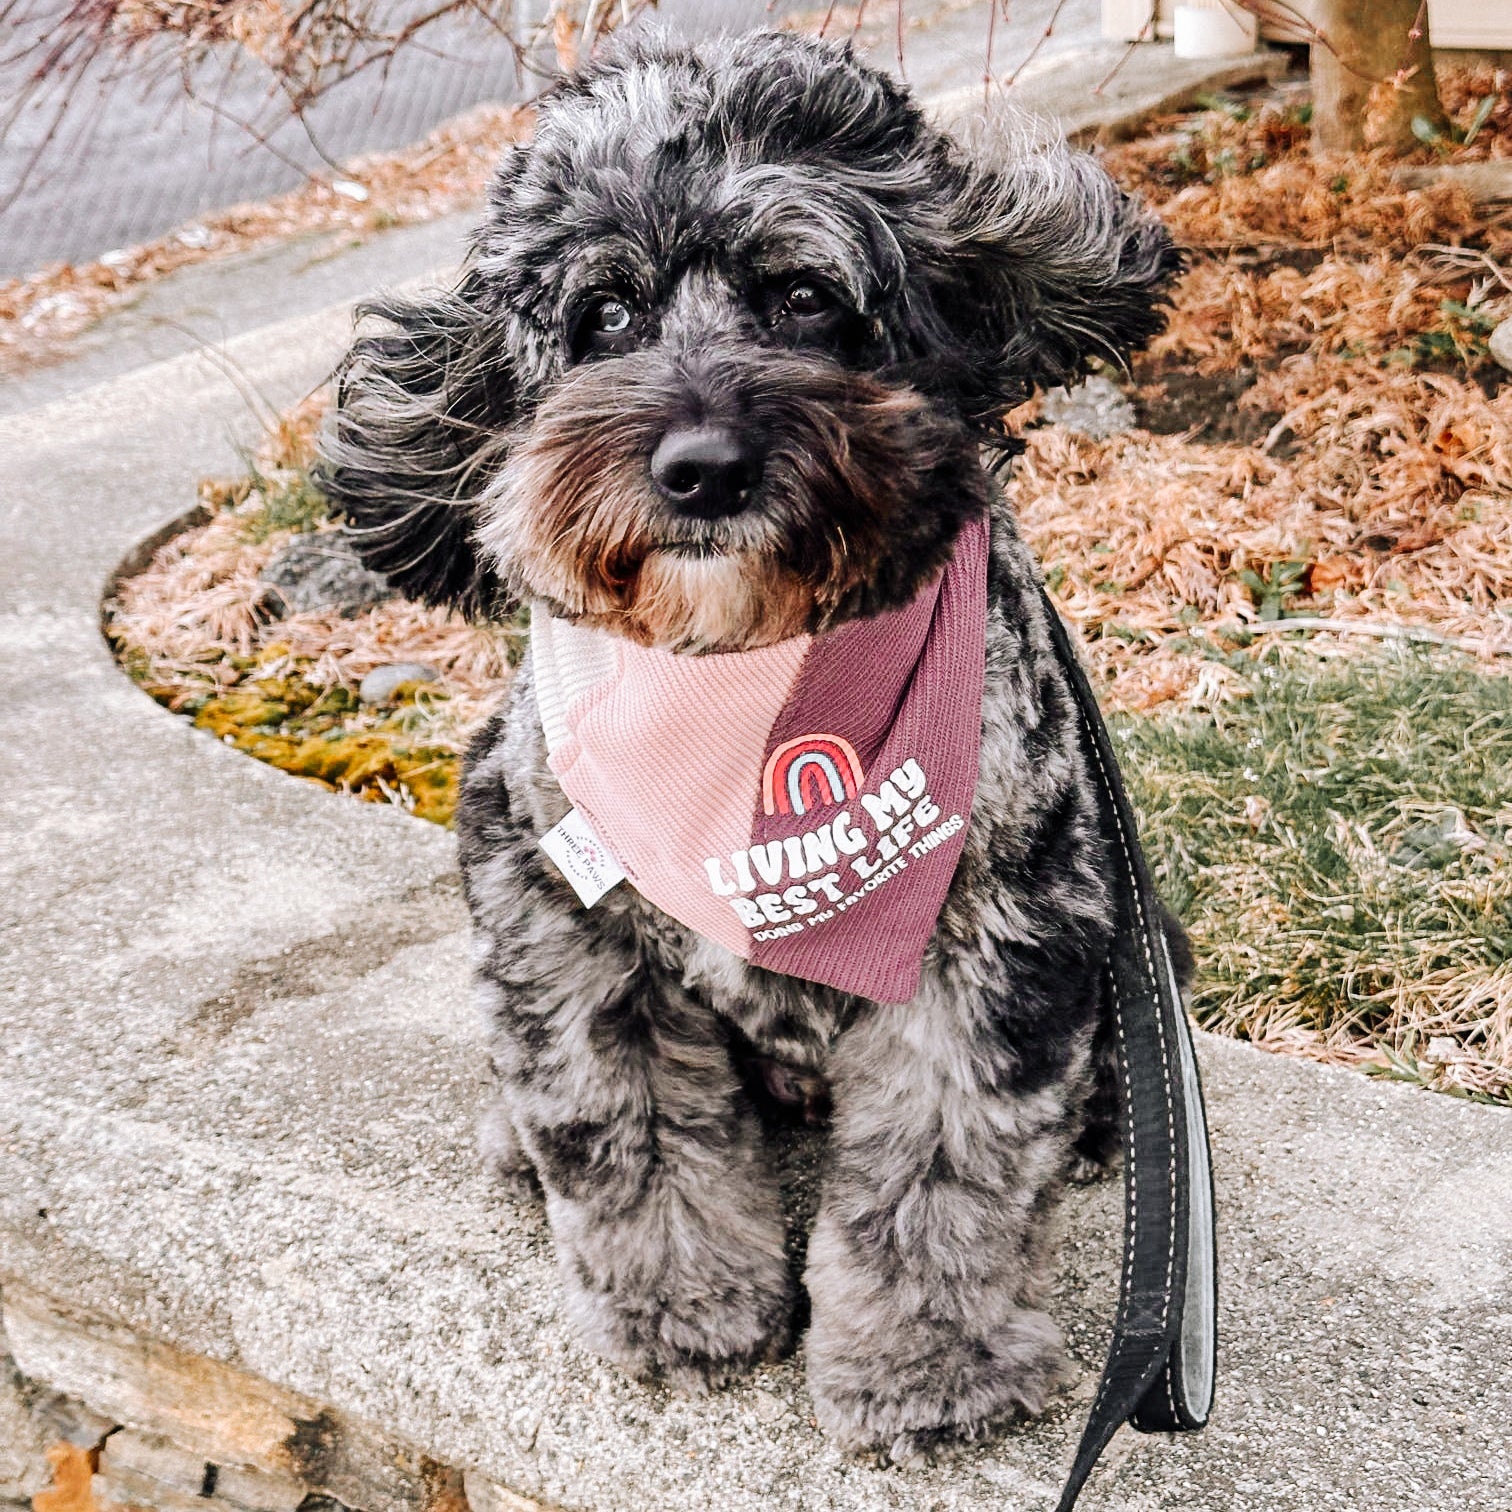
(129, 163)
(238, 1071)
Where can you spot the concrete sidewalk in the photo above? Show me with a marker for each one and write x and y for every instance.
(238, 1072)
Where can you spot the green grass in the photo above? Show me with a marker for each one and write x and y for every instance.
(1339, 841)
(289, 500)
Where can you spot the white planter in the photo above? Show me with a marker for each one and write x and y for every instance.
(1214, 29)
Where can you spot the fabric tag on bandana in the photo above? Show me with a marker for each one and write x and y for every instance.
(582, 858)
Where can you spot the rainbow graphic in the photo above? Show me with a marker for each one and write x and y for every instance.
(808, 773)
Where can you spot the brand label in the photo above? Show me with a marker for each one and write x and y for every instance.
(582, 858)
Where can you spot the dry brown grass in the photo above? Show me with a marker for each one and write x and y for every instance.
(1396, 505)
(196, 612)
(1302, 203)
(1362, 474)
(1245, 177)
(1462, 87)
(1351, 316)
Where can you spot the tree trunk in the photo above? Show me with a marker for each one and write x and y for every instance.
(1373, 76)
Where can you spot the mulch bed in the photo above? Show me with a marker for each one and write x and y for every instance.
(1329, 436)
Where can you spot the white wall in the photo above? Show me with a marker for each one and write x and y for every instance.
(1451, 23)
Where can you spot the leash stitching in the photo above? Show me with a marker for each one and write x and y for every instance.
(1165, 1058)
(1131, 1238)
(1165, 1065)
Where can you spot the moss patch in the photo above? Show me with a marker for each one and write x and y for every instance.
(318, 733)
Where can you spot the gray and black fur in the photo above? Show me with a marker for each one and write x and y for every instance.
(761, 245)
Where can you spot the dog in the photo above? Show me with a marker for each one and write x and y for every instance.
(727, 364)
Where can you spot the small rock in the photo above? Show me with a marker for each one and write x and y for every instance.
(1095, 408)
(1500, 344)
(1256, 810)
(321, 571)
(1444, 1050)
(379, 685)
(767, 1405)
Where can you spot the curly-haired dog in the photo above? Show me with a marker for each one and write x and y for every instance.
(718, 377)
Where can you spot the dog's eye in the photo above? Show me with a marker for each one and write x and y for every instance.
(605, 328)
(804, 301)
(609, 317)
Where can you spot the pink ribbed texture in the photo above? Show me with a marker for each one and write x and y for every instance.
(663, 759)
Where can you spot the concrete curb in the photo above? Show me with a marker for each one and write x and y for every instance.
(1140, 84)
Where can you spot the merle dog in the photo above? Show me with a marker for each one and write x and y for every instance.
(722, 367)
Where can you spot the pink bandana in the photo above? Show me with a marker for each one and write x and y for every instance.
(805, 804)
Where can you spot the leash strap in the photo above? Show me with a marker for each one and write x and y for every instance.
(1163, 1356)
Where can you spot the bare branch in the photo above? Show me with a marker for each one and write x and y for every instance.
(1039, 42)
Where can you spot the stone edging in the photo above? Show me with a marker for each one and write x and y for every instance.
(162, 1429)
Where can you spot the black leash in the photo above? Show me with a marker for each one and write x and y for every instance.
(1161, 1363)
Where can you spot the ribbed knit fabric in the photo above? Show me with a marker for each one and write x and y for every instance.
(804, 805)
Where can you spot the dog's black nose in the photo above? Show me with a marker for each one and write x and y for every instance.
(705, 470)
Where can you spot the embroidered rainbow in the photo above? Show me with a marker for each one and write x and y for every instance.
(808, 773)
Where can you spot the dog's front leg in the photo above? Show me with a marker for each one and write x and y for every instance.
(953, 1121)
(662, 1201)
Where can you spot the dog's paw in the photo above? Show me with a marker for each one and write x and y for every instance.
(693, 1296)
(1088, 1170)
(697, 1342)
(930, 1387)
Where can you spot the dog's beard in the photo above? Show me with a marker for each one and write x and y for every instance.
(574, 518)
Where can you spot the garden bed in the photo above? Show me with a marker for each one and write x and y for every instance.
(1320, 438)
(203, 633)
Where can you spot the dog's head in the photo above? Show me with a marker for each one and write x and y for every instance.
(725, 350)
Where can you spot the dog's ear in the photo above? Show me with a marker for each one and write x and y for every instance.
(418, 429)
(1046, 265)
